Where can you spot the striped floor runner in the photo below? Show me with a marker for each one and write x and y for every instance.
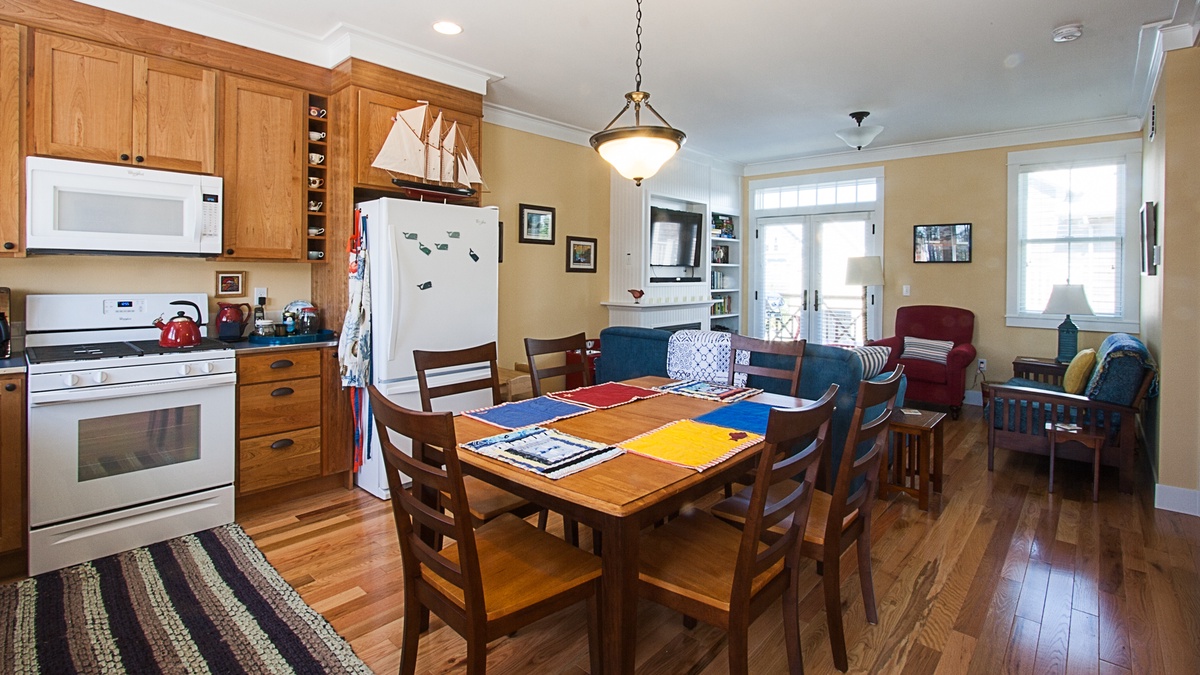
(204, 603)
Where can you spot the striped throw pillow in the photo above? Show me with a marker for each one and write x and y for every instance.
(927, 350)
(873, 359)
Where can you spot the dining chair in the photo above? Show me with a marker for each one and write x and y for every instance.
(843, 518)
(786, 348)
(485, 500)
(495, 577)
(711, 572)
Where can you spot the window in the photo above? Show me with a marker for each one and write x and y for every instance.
(1072, 217)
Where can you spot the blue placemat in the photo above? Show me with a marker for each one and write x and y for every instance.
(743, 416)
(538, 410)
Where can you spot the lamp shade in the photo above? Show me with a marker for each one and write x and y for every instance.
(637, 152)
(1068, 299)
(864, 271)
(859, 137)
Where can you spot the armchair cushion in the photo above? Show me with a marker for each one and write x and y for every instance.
(1079, 372)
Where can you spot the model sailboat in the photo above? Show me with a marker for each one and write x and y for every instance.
(442, 165)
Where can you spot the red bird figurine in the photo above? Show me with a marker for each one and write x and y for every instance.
(637, 293)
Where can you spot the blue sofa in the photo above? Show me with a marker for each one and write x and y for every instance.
(627, 352)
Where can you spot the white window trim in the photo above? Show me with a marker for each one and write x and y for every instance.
(1131, 149)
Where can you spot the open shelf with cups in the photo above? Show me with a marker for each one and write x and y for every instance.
(725, 272)
(316, 177)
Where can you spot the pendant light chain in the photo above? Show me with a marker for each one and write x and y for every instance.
(638, 63)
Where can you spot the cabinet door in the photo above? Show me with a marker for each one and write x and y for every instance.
(264, 141)
(375, 113)
(82, 94)
(174, 115)
(11, 174)
(12, 462)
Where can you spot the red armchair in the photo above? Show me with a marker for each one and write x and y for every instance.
(928, 381)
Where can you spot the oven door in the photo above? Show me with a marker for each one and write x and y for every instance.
(104, 448)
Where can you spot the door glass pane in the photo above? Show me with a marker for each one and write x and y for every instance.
(117, 444)
(839, 318)
(783, 280)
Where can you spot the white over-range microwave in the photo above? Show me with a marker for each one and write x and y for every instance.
(80, 207)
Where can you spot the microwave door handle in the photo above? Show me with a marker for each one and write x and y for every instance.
(126, 390)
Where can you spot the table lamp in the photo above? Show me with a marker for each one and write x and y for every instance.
(1068, 299)
(864, 271)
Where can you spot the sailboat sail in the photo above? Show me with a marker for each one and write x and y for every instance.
(468, 171)
(403, 150)
(448, 164)
(433, 151)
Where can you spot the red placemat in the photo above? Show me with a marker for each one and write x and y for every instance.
(607, 395)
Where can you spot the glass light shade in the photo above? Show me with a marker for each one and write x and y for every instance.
(1068, 299)
(864, 271)
(859, 137)
(638, 152)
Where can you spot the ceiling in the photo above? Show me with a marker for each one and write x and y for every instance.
(770, 81)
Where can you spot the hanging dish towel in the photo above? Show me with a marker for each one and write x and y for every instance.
(354, 346)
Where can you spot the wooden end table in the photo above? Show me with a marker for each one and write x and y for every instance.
(1061, 433)
(918, 443)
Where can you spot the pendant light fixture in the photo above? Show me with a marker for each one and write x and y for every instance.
(859, 136)
(637, 152)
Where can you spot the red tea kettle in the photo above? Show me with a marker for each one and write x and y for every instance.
(231, 320)
(180, 330)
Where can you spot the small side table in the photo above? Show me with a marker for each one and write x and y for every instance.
(918, 443)
(1089, 437)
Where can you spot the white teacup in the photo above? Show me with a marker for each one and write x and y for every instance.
(315, 206)
(316, 111)
(316, 255)
(316, 231)
(316, 135)
(315, 158)
(315, 182)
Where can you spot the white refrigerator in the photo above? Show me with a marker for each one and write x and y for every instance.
(433, 272)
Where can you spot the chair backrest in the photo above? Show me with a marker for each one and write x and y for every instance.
(574, 343)
(792, 348)
(783, 458)
(866, 466)
(427, 361)
(415, 508)
(936, 322)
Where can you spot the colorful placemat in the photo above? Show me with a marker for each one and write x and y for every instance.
(743, 415)
(607, 395)
(540, 410)
(690, 444)
(546, 452)
(708, 390)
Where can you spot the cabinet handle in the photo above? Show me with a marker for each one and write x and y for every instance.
(124, 157)
(10, 387)
(283, 363)
(228, 251)
(8, 246)
(281, 444)
(283, 391)
(139, 159)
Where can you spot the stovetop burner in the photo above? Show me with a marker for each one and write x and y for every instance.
(112, 350)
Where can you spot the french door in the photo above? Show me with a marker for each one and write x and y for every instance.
(800, 274)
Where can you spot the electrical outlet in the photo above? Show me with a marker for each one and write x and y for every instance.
(983, 365)
(260, 292)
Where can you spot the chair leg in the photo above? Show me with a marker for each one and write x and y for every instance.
(689, 622)
(476, 657)
(739, 649)
(571, 531)
(413, 612)
(543, 518)
(955, 411)
(791, 629)
(595, 642)
(864, 576)
(833, 612)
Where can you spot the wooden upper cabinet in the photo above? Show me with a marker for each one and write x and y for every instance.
(12, 175)
(98, 103)
(375, 113)
(264, 143)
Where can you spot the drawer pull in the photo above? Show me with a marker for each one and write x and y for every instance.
(10, 387)
(281, 444)
(283, 391)
(283, 363)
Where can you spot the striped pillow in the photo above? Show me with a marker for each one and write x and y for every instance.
(873, 359)
(927, 350)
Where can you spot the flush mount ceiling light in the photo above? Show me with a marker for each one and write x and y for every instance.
(1068, 33)
(639, 151)
(859, 137)
(447, 28)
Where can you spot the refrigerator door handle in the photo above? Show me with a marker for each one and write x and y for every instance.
(394, 287)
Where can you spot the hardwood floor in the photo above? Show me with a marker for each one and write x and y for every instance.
(999, 576)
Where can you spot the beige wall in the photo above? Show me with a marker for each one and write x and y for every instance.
(538, 298)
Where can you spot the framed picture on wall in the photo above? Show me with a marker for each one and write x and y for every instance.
(537, 225)
(942, 243)
(581, 254)
(230, 284)
(1149, 238)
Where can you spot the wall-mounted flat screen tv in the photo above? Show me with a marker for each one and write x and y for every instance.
(675, 237)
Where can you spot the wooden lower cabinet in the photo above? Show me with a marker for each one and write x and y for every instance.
(13, 516)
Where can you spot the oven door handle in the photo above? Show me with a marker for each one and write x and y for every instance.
(126, 390)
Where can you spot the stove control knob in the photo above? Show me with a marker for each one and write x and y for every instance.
(185, 369)
(99, 377)
(70, 379)
(208, 366)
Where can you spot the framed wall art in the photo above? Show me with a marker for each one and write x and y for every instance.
(581, 254)
(537, 225)
(942, 243)
(231, 284)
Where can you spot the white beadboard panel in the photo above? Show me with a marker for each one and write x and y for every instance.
(655, 316)
(726, 192)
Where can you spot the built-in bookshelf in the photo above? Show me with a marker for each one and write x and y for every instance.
(725, 272)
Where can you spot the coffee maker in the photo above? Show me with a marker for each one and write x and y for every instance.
(5, 325)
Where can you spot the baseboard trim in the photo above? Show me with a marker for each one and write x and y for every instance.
(973, 398)
(1177, 499)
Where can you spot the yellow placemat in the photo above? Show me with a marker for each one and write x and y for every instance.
(690, 444)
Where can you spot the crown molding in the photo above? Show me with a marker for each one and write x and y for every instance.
(533, 124)
(328, 50)
(988, 141)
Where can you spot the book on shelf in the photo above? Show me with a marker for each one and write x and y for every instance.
(722, 226)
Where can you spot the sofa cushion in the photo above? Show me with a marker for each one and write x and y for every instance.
(1121, 363)
(926, 350)
(627, 352)
(873, 359)
(1079, 372)
(924, 371)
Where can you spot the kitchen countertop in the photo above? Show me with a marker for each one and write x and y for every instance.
(17, 366)
(13, 366)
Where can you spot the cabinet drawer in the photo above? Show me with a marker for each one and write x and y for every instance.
(296, 455)
(272, 407)
(272, 367)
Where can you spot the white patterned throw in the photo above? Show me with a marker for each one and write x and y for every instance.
(702, 355)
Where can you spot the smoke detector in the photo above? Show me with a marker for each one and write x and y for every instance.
(1068, 33)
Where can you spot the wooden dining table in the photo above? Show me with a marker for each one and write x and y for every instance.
(619, 497)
